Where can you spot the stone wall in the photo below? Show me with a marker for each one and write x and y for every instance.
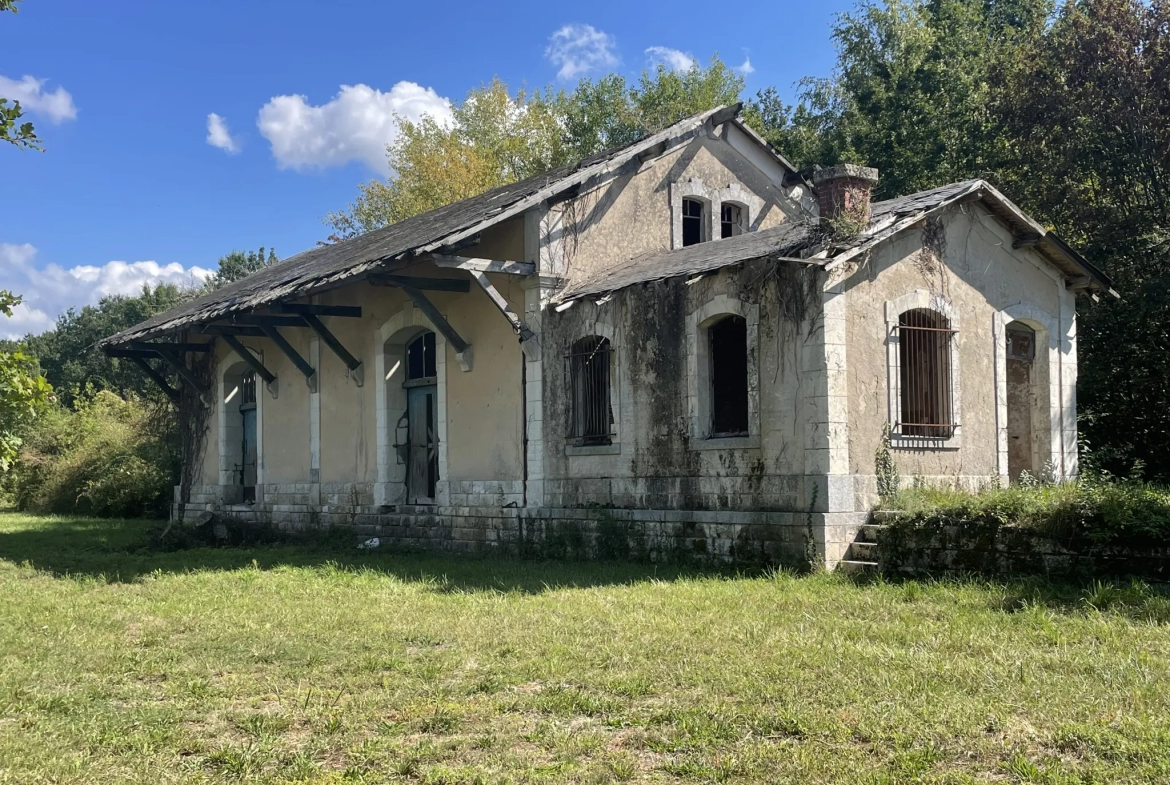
(915, 547)
(705, 537)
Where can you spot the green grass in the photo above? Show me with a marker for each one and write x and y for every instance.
(290, 663)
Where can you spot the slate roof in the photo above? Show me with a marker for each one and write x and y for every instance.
(796, 241)
(785, 241)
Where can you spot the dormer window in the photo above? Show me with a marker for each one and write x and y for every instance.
(730, 220)
(693, 221)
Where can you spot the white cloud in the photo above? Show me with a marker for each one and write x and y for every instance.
(671, 58)
(219, 136)
(577, 49)
(746, 67)
(50, 290)
(57, 106)
(355, 126)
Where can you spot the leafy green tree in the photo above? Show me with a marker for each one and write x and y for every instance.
(496, 138)
(24, 393)
(11, 129)
(240, 264)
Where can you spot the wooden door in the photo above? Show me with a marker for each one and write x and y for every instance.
(423, 462)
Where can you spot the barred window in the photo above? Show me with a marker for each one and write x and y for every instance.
(924, 356)
(590, 410)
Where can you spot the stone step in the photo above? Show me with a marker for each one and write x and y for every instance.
(869, 532)
(862, 551)
(855, 567)
(884, 516)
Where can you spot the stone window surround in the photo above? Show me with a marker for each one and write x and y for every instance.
(699, 373)
(605, 330)
(404, 325)
(920, 299)
(1044, 324)
(227, 434)
(694, 188)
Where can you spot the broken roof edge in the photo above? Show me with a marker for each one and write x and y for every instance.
(983, 191)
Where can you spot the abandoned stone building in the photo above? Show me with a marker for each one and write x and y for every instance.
(683, 347)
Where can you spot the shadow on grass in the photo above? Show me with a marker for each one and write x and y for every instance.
(124, 551)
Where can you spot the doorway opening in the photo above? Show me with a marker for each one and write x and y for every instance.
(1021, 400)
(422, 473)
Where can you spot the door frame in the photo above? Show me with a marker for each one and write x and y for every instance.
(390, 397)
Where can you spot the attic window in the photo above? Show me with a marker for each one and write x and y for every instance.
(730, 220)
(692, 221)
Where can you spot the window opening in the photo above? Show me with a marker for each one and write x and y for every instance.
(420, 357)
(730, 220)
(248, 437)
(591, 413)
(1021, 343)
(692, 219)
(729, 376)
(924, 352)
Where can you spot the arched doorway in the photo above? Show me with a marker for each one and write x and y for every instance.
(1021, 400)
(239, 435)
(422, 435)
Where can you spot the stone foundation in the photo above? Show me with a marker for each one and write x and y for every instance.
(709, 537)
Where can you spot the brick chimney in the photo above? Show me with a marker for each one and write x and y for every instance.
(844, 190)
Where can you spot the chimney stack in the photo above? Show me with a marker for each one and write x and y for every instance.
(844, 190)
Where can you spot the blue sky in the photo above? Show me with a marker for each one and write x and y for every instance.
(138, 183)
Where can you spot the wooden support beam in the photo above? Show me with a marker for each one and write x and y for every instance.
(419, 283)
(1079, 282)
(253, 362)
(130, 353)
(148, 346)
(484, 265)
(232, 329)
(302, 309)
(175, 360)
(529, 343)
(310, 375)
(352, 363)
(432, 313)
(1025, 239)
(270, 320)
(157, 377)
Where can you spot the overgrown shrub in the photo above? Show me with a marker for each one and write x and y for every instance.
(1091, 510)
(106, 456)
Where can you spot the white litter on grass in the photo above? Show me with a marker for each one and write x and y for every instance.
(373, 542)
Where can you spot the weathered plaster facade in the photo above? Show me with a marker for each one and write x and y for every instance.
(821, 352)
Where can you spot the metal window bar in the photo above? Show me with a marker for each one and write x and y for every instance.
(925, 373)
(588, 365)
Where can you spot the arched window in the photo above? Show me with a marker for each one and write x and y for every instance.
(694, 221)
(925, 374)
(728, 357)
(591, 418)
(730, 220)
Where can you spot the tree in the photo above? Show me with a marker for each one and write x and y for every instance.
(496, 138)
(240, 264)
(11, 129)
(24, 393)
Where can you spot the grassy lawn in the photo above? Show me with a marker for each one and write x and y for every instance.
(325, 664)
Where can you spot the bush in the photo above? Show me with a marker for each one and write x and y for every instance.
(1092, 510)
(106, 457)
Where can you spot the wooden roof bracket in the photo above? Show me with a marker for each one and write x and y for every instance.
(529, 340)
(157, 377)
(171, 353)
(484, 265)
(462, 348)
(310, 313)
(273, 332)
(253, 362)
